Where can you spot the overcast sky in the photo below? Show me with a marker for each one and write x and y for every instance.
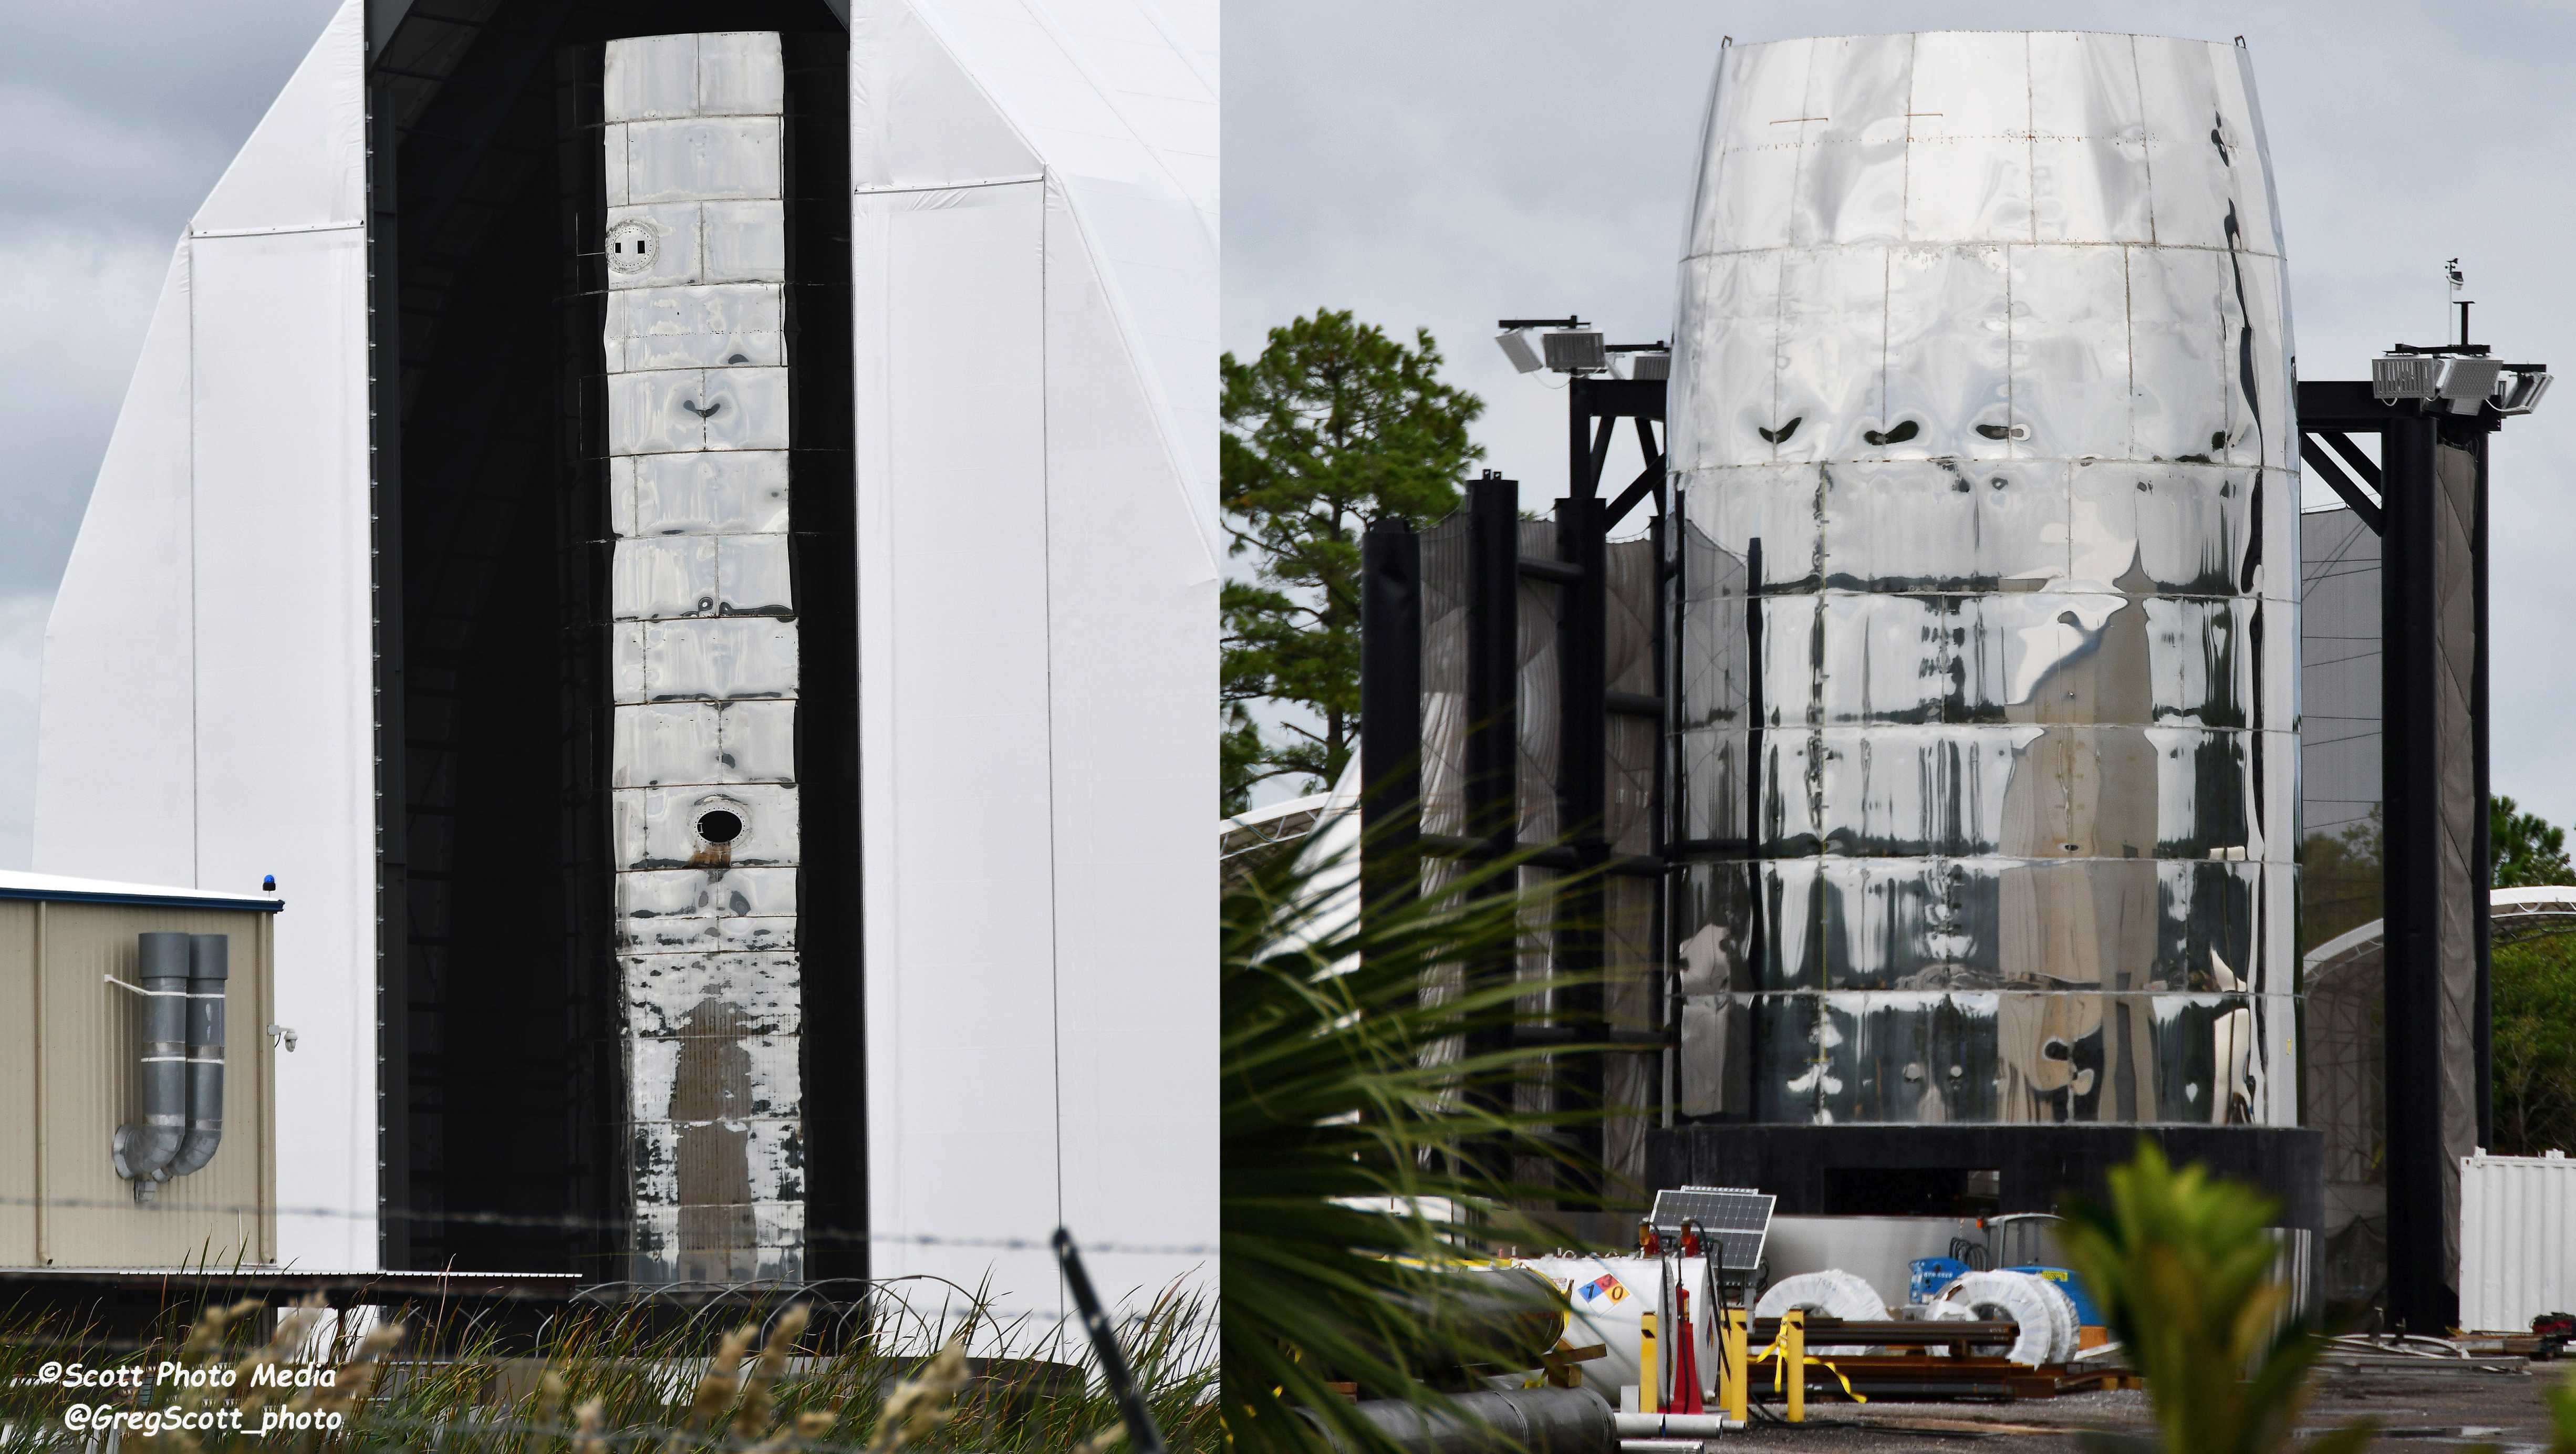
(123, 117)
(1447, 164)
(1437, 164)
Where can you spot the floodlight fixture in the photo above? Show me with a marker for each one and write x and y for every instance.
(2520, 390)
(1576, 351)
(1565, 345)
(2466, 383)
(2460, 382)
(1652, 361)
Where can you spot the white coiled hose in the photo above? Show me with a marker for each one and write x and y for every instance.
(2043, 1313)
(1832, 1293)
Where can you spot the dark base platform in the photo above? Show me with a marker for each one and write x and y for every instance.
(1898, 1170)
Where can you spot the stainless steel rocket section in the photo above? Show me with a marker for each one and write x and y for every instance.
(1983, 338)
(703, 785)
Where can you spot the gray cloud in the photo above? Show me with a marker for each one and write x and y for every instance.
(1449, 162)
(121, 130)
(121, 121)
(1440, 162)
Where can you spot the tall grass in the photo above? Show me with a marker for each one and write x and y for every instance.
(601, 1379)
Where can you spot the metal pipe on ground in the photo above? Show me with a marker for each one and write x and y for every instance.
(1526, 1420)
(1486, 1319)
(144, 1148)
(209, 966)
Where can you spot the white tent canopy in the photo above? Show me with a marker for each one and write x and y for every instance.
(1034, 259)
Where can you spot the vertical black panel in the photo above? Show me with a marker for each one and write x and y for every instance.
(823, 551)
(1493, 714)
(1493, 656)
(1582, 799)
(2482, 1017)
(1757, 934)
(592, 1124)
(2459, 814)
(1390, 716)
(2417, 1276)
(503, 1084)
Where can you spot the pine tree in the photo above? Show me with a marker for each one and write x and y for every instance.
(2528, 850)
(1332, 426)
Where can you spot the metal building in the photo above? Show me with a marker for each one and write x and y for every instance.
(643, 677)
(1981, 427)
(81, 1050)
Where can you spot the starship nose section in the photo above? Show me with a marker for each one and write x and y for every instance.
(1981, 404)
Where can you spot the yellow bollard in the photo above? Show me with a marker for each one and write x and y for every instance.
(1650, 1378)
(1736, 1391)
(1793, 1360)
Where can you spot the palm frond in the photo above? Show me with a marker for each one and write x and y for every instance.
(1370, 1131)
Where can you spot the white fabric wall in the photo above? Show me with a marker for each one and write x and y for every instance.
(1117, 99)
(1035, 325)
(207, 715)
(1035, 260)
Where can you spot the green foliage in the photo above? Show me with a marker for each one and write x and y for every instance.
(2526, 850)
(1332, 426)
(1347, 1106)
(2533, 994)
(2562, 1415)
(2533, 989)
(2181, 1264)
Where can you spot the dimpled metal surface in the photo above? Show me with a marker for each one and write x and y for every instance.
(704, 654)
(1983, 337)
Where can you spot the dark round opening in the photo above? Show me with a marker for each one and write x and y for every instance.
(719, 826)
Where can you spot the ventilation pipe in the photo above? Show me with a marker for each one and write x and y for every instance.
(144, 1149)
(182, 984)
(209, 957)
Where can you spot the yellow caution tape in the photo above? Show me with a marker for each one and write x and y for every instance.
(1778, 1353)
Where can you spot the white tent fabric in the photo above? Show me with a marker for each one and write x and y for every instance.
(1037, 631)
(1116, 99)
(207, 711)
(1034, 249)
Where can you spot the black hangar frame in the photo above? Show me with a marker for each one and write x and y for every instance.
(2426, 495)
(2426, 498)
(1391, 731)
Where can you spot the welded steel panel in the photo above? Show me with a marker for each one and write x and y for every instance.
(666, 661)
(1983, 338)
(741, 493)
(704, 812)
(683, 327)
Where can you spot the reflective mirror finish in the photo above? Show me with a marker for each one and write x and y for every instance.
(704, 807)
(1983, 339)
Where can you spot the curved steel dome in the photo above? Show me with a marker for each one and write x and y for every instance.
(1981, 412)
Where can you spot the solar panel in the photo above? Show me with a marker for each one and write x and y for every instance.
(1736, 1219)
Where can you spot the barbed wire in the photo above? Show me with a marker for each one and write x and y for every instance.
(916, 1311)
(529, 1221)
